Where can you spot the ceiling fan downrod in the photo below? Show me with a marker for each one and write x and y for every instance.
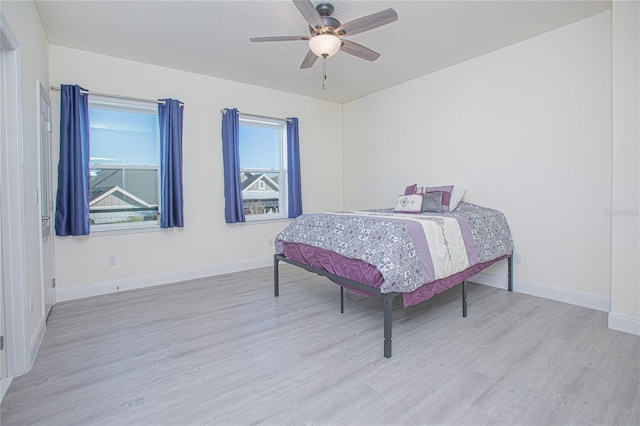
(330, 24)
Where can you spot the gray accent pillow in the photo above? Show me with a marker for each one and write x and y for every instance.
(432, 202)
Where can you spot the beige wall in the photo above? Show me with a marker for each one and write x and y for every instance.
(206, 245)
(527, 129)
(625, 267)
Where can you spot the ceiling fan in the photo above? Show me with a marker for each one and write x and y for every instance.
(327, 32)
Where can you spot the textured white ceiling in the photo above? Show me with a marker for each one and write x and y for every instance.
(212, 37)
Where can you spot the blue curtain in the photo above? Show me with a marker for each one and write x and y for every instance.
(293, 169)
(233, 206)
(170, 121)
(72, 199)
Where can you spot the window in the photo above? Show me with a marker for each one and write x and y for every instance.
(263, 167)
(124, 172)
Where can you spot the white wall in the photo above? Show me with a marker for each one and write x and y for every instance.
(25, 25)
(206, 245)
(625, 268)
(527, 129)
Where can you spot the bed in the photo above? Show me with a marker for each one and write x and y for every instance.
(397, 252)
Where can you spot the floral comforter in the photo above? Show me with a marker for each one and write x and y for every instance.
(409, 250)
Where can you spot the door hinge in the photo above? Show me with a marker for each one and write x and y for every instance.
(48, 126)
(1, 343)
(53, 282)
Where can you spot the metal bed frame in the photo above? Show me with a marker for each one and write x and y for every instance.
(388, 297)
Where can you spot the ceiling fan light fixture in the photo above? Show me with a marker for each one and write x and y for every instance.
(325, 45)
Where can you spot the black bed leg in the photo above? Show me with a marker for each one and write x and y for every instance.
(464, 299)
(341, 300)
(276, 277)
(388, 309)
(510, 273)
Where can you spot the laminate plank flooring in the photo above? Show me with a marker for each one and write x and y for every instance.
(224, 351)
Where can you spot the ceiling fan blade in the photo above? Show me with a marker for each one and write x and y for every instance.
(279, 38)
(309, 13)
(359, 50)
(368, 22)
(308, 60)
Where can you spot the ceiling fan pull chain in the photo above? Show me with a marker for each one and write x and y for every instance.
(324, 70)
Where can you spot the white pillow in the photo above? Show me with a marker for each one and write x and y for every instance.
(456, 196)
(409, 203)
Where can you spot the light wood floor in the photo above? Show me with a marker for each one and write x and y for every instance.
(225, 351)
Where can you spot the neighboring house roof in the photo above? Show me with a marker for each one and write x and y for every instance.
(143, 183)
(121, 194)
(115, 217)
(112, 206)
(248, 179)
(260, 195)
(250, 183)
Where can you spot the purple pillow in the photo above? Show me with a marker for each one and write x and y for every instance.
(411, 189)
(446, 194)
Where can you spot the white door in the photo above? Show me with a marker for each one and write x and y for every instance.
(46, 203)
(3, 359)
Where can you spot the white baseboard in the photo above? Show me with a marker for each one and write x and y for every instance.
(616, 322)
(624, 323)
(65, 294)
(36, 340)
(565, 296)
(5, 382)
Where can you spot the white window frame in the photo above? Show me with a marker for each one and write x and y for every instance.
(130, 105)
(281, 125)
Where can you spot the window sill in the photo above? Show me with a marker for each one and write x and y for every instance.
(107, 230)
(263, 221)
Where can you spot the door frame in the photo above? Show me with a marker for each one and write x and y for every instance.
(41, 91)
(16, 298)
(5, 381)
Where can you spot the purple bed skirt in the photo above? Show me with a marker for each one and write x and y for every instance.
(365, 273)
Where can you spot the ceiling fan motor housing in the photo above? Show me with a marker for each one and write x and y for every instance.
(330, 24)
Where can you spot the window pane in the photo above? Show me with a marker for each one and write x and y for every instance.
(124, 157)
(261, 154)
(259, 147)
(260, 192)
(123, 137)
(123, 195)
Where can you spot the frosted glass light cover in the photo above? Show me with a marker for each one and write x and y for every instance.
(325, 44)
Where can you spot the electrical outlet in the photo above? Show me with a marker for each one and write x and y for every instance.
(111, 260)
(517, 258)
